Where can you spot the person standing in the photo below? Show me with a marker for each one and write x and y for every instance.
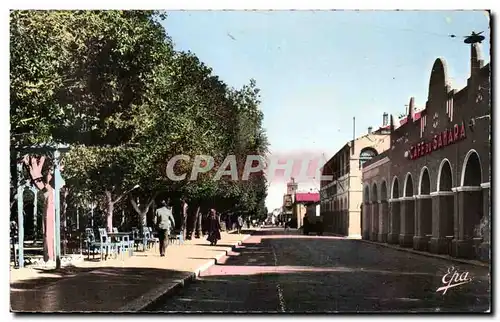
(164, 221)
(240, 224)
(213, 228)
(228, 221)
(184, 212)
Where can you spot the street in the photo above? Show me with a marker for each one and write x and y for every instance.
(274, 271)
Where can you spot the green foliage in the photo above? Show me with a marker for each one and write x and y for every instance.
(109, 84)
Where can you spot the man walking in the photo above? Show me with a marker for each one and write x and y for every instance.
(164, 221)
(184, 210)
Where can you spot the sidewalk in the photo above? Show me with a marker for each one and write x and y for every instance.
(115, 285)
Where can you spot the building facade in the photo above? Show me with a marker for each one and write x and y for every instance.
(302, 201)
(313, 209)
(430, 190)
(341, 197)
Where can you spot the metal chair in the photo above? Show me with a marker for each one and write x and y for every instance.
(147, 237)
(153, 239)
(136, 238)
(106, 243)
(176, 236)
(126, 243)
(91, 244)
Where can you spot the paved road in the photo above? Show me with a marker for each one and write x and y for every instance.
(274, 272)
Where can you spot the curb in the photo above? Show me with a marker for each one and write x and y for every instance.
(151, 298)
(427, 254)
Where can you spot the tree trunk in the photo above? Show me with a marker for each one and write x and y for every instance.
(109, 216)
(34, 167)
(197, 223)
(143, 212)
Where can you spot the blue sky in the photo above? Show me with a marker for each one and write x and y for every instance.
(319, 69)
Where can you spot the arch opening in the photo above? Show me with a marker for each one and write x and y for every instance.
(366, 194)
(383, 191)
(366, 154)
(408, 190)
(445, 179)
(472, 170)
(374, 193)
(425, 182)
(395, 188)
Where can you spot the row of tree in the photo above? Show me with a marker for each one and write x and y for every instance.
(110, 85)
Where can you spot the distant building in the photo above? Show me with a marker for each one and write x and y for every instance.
(287, 208)
(313, 209)
(301, 202)
(295, 204)
(342, 196)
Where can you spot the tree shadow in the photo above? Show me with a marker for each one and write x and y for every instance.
(89, 290)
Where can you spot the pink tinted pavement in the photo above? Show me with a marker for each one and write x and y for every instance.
(115, 285)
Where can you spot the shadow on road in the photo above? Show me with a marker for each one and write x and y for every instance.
(294, 273)
(92, 290)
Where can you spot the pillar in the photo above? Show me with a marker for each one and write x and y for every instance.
(20, 215)
(366, 220)
(442, 221)
(354, 224)
(423, 222)
(58, 184)
(394, 221)
(336, 214)
(383, 221)
(345, 223)
(375, 223)
(407, 221)
(469, 202)
(484, 248)
(35, 212)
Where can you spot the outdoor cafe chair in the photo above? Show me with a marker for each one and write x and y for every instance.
(147, 237)
(176, 236)
(136, 238)
(127, 245)
(110, 246)
(153, 239)
(91, 244)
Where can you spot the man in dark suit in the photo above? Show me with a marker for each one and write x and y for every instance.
(164, 221)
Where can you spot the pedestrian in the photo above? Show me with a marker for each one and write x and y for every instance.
(228, 221)
(240, 224)
(248, 222)
(164, 222)
(184, 213)
(287, 224)
(213, 228)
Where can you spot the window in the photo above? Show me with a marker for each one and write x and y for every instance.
(365, 155)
